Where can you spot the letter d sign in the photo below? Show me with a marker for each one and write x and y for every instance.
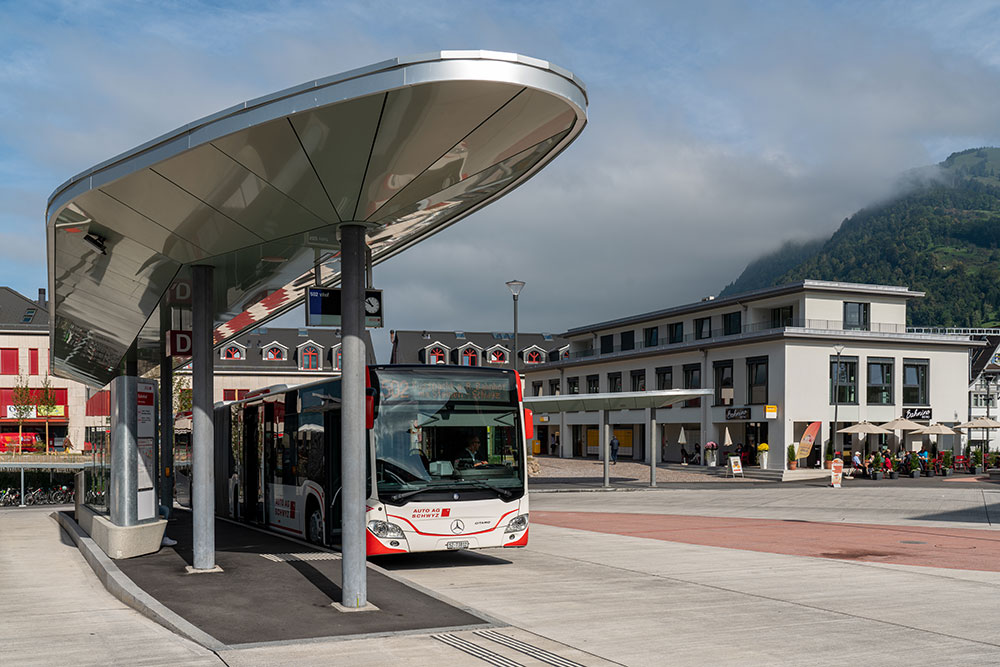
(178, 343)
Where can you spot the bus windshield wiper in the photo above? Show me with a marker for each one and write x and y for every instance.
(506, 493)
(407, 494)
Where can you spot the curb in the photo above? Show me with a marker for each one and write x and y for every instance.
(127, 591)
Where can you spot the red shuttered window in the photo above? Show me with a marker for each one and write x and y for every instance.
(33, 361)
(8, 361)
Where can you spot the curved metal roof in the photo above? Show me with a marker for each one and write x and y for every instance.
(406, 146)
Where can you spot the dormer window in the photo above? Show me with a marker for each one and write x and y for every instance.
(497, 355)
(533, 357)
(436, 355)
(470, 357)
(274, 354)
(29, 315)
(310, 358)
(233, 352)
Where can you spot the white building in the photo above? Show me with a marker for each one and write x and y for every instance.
(769, 356)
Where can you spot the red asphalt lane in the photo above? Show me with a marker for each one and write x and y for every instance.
(952, 548)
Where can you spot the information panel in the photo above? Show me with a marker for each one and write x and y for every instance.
(323, 307)
(145, 435)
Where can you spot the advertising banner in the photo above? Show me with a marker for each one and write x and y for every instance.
(808, 438)
(836, 472)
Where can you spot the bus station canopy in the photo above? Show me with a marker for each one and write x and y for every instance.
(405, 147)
(621, 400)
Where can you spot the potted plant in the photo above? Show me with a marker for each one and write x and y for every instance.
(894, 470)
(792, 462)
(977, 462)
(711, 449)
(877, 467)
(829, 456)
(946, 462)
(914, 465)
(762, 450)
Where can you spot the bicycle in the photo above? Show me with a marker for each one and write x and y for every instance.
(61, 495)
(10, 497)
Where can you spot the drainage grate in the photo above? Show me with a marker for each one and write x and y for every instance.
(309, 555)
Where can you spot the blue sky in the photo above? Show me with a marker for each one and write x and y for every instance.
(717, 130)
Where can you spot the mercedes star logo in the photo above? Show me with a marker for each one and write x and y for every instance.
(457, 526)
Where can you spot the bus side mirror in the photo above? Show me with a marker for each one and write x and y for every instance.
(529, 424)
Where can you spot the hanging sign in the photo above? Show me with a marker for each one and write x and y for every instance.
(836, 472)
(323, 307)
(770, 412)
(806, 443)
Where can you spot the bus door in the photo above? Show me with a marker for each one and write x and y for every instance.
(253, 450)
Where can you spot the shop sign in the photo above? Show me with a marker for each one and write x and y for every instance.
(52, 411)
(836, 472)
(770, 412)
(29, 412)
(735, 466)
(737, 413)
(922, 414)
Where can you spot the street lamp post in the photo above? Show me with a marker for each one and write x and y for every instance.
(839, 349)
(515, 287)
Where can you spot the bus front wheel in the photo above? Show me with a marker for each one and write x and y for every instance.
(314, 523)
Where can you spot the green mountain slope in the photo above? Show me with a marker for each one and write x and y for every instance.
(943, 238)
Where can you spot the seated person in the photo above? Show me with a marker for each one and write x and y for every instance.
(468, 457)
(856, 466)
(923, 459)
(684, 455)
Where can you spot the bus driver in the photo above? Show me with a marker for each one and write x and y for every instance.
(467, 457)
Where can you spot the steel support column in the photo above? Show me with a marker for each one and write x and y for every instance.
(652, 446)
(605, 447)
(202, 426)
(123, 492)
(354, 589)
(166, 468)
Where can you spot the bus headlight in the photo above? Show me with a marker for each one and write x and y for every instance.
(384, 529)
(518, 523)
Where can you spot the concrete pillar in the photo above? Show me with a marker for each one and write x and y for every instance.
(354, 589)
(123, 492)
(202, 425)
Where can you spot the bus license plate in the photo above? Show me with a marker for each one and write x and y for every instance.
(457, 544)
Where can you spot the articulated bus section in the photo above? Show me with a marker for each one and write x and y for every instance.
(445, 465)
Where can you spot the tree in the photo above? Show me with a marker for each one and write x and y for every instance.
(182, 394)
(45, 404)
(22, 404)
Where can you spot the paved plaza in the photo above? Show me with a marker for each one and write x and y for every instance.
(768, 574)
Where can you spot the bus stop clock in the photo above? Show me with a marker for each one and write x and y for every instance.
(323, 307)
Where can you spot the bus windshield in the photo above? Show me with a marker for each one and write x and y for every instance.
(446, 430)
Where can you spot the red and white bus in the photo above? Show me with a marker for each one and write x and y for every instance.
(445, 466)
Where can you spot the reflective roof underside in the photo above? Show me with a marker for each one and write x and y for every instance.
(407, 146)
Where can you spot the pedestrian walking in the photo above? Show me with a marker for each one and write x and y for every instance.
(614, 449)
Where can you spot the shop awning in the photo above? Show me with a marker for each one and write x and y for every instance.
(622, 400)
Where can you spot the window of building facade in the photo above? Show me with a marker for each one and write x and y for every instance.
(232, 352)
(845, 383)
(593, 384)
(533, 357)
(639, 380)
(723, 382)
(29, 315)
(536, 388)
(879, 381)
(984, 400)
(676, 331)
(732, 323)
(498, 357)
(915, 381)
(274, 353)
(703, 328)
(757, 381)
(229, 394)
(781, 317)
(470, 357)
(856, 316)
(436, 355)
(573, 385)
(554, 388)
(241, 394)
(607, 344)
(665, 377)
(310, 358)
(692, 380)
(614, 382)
(338, 358)
(628, 340)
(651, 336)
(33, 361)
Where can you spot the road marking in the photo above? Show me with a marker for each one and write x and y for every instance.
(476, 650)
(527, 649)
(308, 555)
